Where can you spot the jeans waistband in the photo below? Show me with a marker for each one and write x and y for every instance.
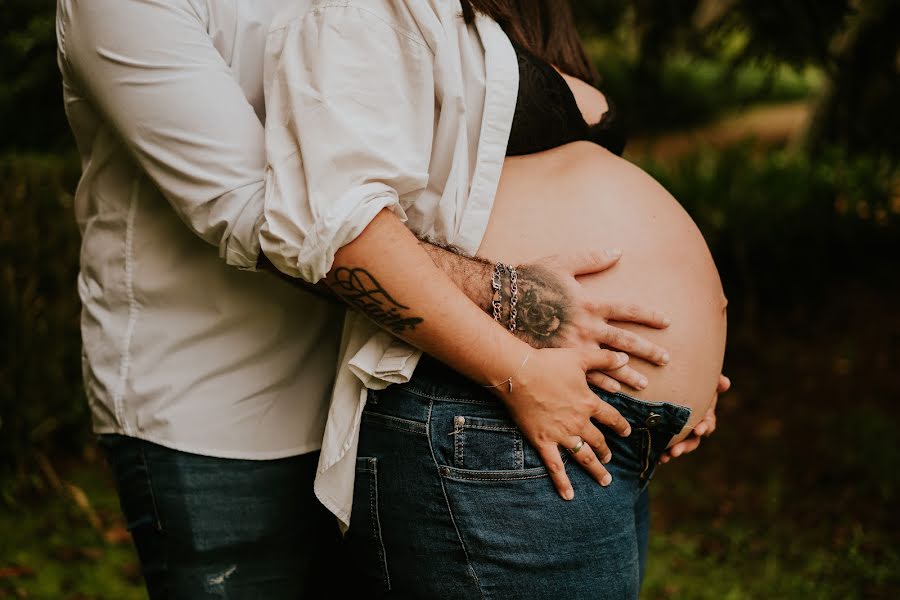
(440, 383)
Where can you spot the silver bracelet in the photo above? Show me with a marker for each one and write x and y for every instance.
(513, 297)
(498, 295)
(509, 380)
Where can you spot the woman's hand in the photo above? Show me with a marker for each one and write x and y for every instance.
(552, 404)
(703, 429)
(555, 310)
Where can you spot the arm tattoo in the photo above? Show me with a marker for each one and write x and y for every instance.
(361, 290)
(543, 307)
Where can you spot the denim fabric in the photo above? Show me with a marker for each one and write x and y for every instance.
(218, 528)
(451, 502)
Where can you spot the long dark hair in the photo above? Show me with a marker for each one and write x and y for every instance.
(544, 27)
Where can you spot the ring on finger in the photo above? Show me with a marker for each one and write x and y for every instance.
(577, 447)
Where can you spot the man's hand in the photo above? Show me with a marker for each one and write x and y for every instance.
(703, 429)
(555, 310)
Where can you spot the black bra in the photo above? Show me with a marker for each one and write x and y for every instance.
(547, 114)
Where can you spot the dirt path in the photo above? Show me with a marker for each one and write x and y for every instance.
(769, 125)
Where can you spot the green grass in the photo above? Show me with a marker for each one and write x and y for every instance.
(795, 495)
(50, 550)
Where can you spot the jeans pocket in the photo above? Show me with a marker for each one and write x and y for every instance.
(364, 537)
(487, 448)
(483, 444)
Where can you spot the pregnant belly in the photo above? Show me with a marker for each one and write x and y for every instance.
(581, 197)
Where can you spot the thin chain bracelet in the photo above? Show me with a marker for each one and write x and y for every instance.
(496, 286)
(513, 297)
(509, 380)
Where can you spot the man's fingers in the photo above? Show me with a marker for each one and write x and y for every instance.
(585, 263)
(630, 312)
(557, 470)
(628, 376)
(633, 344)
(598, 359)
(604, 382)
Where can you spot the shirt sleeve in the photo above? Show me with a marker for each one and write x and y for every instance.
(151, 71)
(351, 100)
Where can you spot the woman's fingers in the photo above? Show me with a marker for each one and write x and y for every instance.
(609, 416)
(633, 344)
(598, 359)
(724, 384)
(629, 312)
(557, 469)
(587, 458)
(594, 438)
(688, 444)
(585, 263)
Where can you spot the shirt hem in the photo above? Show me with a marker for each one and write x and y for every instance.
(214, 452)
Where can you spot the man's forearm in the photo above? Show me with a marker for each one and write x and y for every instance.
(543, 304)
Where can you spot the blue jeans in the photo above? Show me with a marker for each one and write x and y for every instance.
(451, 502)
(209, 527)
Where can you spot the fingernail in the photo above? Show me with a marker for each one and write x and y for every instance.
(666, 321)
(666, 358)
(607, 479)
(643, 382)
(614, 253)
(627, 432)
(607, 458)
(616, 386)
(569, 494)
(622, 357)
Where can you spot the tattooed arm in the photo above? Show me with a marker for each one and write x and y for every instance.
(387, 275)
(553, 310)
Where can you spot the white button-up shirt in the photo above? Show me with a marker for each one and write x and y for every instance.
(180, 347)
(378, 104)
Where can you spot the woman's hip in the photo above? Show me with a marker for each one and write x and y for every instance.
(447, 486)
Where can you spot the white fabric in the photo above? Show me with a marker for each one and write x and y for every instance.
(378, 104)
(166, 102)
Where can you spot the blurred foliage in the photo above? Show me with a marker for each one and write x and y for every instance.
(41, 397)
(786, 228)
(853, 43)
(31, 108)
(668, 62)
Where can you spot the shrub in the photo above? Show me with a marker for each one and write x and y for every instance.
(41, 406)
(784, 228)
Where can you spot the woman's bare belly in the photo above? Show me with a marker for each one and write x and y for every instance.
(580, 197)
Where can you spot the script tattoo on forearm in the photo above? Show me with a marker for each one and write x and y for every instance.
(361, 290)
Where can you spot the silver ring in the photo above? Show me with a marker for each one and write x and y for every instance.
(577, 447)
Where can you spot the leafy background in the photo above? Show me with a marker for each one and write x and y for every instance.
(773, 121)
